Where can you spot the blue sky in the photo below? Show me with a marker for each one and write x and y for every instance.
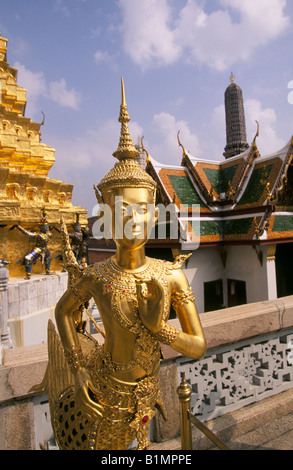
(175, 56)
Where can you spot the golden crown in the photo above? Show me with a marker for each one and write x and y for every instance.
(126, 172)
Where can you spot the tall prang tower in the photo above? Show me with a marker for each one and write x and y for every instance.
(236, 141)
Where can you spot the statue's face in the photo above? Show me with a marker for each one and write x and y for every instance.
(133, 216)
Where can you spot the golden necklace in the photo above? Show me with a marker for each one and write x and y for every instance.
(122, 284)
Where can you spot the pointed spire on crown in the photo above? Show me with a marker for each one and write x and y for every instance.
(126, 172)
(126, 149)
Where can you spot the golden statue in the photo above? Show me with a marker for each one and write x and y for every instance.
(103, 396)
(40, 250)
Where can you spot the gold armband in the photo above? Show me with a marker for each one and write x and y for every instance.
(76, 294)
(74, 357)
(168, 334)
(182, 297)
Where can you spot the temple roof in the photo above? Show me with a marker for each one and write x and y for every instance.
(238, 200)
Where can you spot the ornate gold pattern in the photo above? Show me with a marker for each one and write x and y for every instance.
(127, 407)
(121, 284)
(183, 297)
(168, 334)
(126, 173)
(74, 357)
(125, 149)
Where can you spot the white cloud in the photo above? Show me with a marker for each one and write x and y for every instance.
(290, 94)
(268, 141)
(265, 17)
(37, 86)
(92, 150)
(35, 83)
(167, 149)
(59, 93)
(95, 148)
(147, 35)
(153, 34)
(34, 80)
(103, 57)
(218, 121)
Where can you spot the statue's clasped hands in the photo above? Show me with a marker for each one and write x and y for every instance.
(150, 298)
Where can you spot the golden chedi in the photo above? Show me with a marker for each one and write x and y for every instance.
(25, 188)
(104, 394)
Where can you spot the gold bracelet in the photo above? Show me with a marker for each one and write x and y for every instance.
(183, 297)
(76, 294)
(74, 357)
(168, 334)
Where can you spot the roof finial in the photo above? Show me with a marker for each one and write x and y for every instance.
(256, 135)
(232, 78)
(145, 151)
(183, 148)
(125, 149)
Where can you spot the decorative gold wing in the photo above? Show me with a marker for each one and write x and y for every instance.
(179, 260)
(59, 375)
(70, 427)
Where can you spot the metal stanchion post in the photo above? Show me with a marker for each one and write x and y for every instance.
(184, 393)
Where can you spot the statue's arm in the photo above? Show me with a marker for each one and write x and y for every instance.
(27, 232)
(191, 340)
(24, 231)
(79, 292)
(65, 321)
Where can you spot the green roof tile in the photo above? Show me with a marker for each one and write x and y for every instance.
(225, 227)
(221, 177)
(256, 185)
(185, 191)
(207, 227)
(283, 223)
(237, 226)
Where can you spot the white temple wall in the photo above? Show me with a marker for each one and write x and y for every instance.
(244, 263)
(239, 263)
(205, 265)
(31, 303)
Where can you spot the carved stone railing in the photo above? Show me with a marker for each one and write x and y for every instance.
(233, 376)
(249, 358)
(252, 361)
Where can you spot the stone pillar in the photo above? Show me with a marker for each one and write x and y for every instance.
(271, 273)
(4, 330)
